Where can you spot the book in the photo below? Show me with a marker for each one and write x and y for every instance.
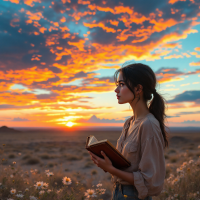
(117, 159)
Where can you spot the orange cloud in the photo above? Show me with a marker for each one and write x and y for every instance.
(14, 21)
(197, 49)
(174, 1)
(13, 1)
(173, 56)
(101, 25)
(172, 45)
(195, 64)
(30, 2)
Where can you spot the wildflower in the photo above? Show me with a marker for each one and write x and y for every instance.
(99, 185)
(14, 162)
(191, 161)
(11, 176)
(4, 145)
(13, 191)
(0, 183)
(10, 199)
(198, 147)
(26, 189)
(48, 191)
(188, 169)
(49, 174)
(39, 185)
(176, 180)
(77, 182)
(90, 193)
(41, 192)
(101, 190)
(66, 181)
(33, 198)
(19, 195)
(45, 185)
(36, 170)
(197, 192)
(47, 171)
(58, 191)
(176, 195)
(125, 196)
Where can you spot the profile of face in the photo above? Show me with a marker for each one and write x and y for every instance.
(124, 94)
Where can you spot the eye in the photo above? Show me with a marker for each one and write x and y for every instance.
(121, 84)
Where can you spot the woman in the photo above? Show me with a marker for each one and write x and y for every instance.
(143, 137)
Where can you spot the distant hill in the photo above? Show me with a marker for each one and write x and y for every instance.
(5, 129)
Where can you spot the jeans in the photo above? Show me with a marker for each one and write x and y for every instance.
(120, 190)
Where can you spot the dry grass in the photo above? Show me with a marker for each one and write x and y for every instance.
(64, 155)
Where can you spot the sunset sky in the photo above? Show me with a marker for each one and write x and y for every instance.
(58, 58)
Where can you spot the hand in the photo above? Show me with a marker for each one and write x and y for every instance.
(104, 164)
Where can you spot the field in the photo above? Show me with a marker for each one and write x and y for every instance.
(64, 154)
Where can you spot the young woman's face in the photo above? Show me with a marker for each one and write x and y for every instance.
(124, 95)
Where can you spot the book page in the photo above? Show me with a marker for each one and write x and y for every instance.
(92, 140)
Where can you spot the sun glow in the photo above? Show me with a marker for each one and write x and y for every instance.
(69, 124)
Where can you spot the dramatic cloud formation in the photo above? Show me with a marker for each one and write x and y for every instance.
(57, 56)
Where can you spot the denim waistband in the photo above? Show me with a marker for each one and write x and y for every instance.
(121, 186)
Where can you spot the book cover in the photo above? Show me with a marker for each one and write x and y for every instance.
(117, 159)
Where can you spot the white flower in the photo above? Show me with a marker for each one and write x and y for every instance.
(49, 174)
(191, 161)
(66, 181)
(39, 185)
(41, 192)
(90, 193)
(13, 191)
(14, 162)
(19, 195)
(0, 183)
(99, 185)
(58, 191)
(101, 190)
(26, 189)
(33, 198)
(48, 191)
(197, 192)
(47, 171)
(45, 185)
(11, 176)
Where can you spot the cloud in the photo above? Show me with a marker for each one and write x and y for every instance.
(18, 119)
(187, 96)
(94, 119)
(190, 122)
(195, 63)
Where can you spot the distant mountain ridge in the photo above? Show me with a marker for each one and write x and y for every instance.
(5, 129)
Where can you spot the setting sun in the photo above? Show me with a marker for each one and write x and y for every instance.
(70, 124)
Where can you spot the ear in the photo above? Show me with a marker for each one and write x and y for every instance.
(139, 88)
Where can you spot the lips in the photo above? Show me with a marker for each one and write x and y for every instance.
(118, 97)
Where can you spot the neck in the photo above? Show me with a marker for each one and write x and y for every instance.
(140, 109)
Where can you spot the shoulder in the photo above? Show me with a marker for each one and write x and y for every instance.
(150, 127)
(126, 122)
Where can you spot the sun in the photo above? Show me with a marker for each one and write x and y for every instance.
(70, 124)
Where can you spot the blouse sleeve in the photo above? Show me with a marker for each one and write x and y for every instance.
(149, 179)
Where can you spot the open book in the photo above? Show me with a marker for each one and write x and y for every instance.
(117, 159)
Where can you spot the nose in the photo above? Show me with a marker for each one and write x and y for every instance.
(117, 90)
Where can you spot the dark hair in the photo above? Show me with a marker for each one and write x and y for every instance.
(138, 73)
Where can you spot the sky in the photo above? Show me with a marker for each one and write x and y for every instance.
(58, 59)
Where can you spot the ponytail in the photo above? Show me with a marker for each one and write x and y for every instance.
(157, 108)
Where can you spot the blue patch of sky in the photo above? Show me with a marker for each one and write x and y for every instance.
(18, 86)
(40, 91)
(77, 82)
(74, 28)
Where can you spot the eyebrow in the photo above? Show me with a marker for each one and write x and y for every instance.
(120, 81)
